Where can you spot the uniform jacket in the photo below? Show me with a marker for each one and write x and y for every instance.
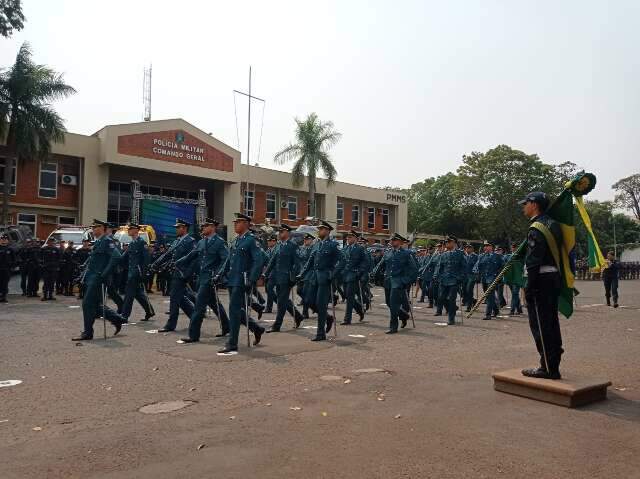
(488, 267)
(182, 247)
(284, 265)
(470, 262)
(103, 258)
(356, 264)
(7, 258)
(50, 257)
(136, 257)
(322, 261)
(210, 253)
(245, 256)
(303, 253)
(538, 251)
(400, 269)
(451, 268)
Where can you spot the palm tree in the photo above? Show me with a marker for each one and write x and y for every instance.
(314, 139)
(27, 120)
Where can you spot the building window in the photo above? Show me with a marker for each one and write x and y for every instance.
(355, 216)
(248, 203)
(28, 220)
(371, 218)
(66, 220)
(271, 206)
(3, 162)
(119, 203)
(48, 180)
(292, 207)
(340, 214)
(385, 218)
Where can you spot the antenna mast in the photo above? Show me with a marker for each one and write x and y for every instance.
(146, 93)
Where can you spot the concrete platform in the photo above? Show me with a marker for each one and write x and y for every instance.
(569, 392)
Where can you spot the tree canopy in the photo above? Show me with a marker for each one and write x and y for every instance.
(628, 194)
(11, 17)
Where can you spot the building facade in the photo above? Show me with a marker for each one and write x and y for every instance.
(153, 172)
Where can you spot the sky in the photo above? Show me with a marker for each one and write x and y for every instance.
(411, 85)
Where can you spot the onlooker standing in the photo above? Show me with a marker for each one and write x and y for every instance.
(610, 277)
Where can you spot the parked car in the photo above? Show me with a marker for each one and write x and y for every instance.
(18, 235)
(65, 233)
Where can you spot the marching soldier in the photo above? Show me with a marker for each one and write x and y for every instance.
(243, 269)
(402, 270)
(322, 261)
(450, 274)
(304, 288)
(282, 271)
(610, 279)
(544, 241)
(355, 267)
(50, 256)
(210, 254)
(269, 285)
(488, 267)
(79, 258)
(469, 282)
(182, 246)
(99, 267)
(136, 258)
(113, 280)
(514, 278)
(7, 261)
(364, 278)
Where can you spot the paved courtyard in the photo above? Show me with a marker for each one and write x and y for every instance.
(417, 404)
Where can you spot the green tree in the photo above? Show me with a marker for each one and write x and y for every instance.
(497, 180)
(26, 116)
(435, 206)
(310, 153)
(628, 194)
(11, 17)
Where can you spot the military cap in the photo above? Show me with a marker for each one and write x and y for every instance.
(210, 221)
(4, 236)
(242, 217)
(272, 238)
(398, 236)
(99, 223)
(452, 238)
(112, 225)
(539, 197)
(284, 227)
(324, 224)
(487, 243)
(132, 226)
(309, 236)
(468, 245)
(181, 222)
(353, 233)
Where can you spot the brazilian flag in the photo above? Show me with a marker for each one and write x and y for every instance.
(562, 210)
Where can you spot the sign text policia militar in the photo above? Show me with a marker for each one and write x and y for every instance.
(175, 146)
(177, 150)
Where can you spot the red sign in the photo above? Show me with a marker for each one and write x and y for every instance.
(176, 146)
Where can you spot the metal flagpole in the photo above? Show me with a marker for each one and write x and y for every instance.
(544, 350)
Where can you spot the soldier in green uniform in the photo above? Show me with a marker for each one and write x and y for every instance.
(210, 253)
(99, 267)
(322, 262)
(243, 269)
(356, 266)
(137, 259)
(450, 274)
(544, 281)
(282, 270)
(514, 278)
(402, 270)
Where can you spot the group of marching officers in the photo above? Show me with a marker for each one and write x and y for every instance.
(319, 272)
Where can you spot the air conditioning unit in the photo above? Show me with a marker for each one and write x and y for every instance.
(69, 180)
(283, 204)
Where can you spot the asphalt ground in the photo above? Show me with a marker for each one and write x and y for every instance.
(424, 406)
